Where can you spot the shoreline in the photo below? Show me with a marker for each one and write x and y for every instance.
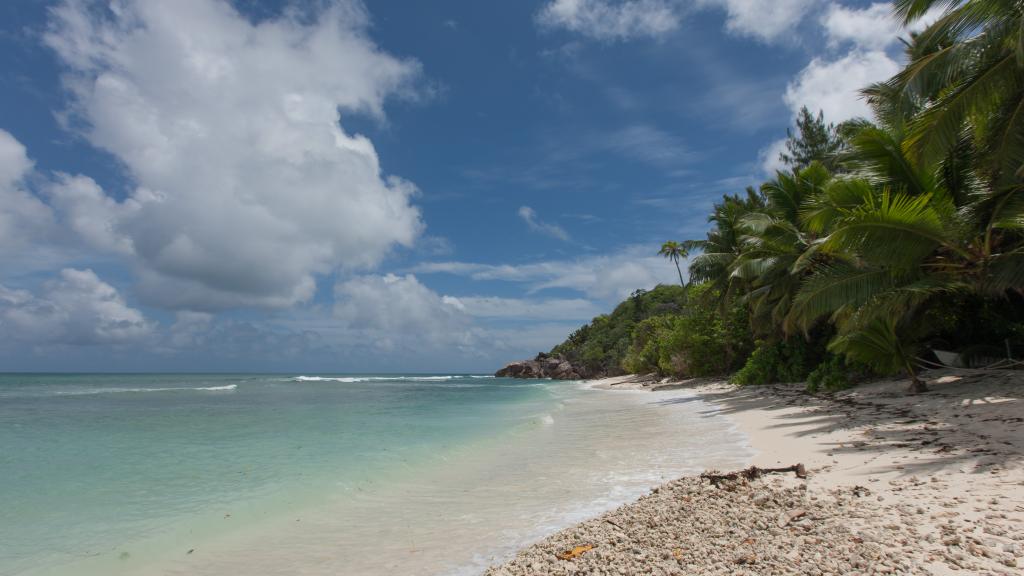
(925, 484)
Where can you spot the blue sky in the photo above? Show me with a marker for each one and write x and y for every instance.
(380, 186)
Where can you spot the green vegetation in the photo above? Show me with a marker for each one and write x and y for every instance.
(697, 340)
(882, 238)
(599, 347)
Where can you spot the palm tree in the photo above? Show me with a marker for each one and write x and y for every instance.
(901, 239)
(723, 245)
(925, 207)
(778, 250)
(967, 71)
(674, 251)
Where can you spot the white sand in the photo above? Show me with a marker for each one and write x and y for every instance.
(946, 467)
(955, 452)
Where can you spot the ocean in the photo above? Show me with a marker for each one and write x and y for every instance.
(252, 474)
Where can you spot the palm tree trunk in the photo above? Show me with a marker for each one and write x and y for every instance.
(917, 385)
(681, 283)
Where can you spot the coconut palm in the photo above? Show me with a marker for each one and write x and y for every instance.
(967, 69)
(674, 251)
(723, 245)
(901, 239)
(777, 250)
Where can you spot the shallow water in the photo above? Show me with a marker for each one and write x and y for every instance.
(323, 474)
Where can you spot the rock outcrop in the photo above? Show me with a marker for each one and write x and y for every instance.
(543, 366)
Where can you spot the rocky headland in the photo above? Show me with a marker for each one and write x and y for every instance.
(556, 367)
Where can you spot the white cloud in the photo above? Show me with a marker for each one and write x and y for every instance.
(769, 159)
(766, 21)
(611, 20)
(78, 309)
(398, 312)
(870, 28)
(529, 215)
(834, 86)
(607, 277)
(24, 218)
(391, 313)
(92, 215)
(248, 186)
(629, 19)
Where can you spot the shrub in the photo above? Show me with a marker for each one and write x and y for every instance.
(781, 361)
(837, 373)
(696, 340)
(602, 346)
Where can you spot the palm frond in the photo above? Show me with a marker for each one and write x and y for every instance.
(910, 10)
(834, 286)
(895, 230)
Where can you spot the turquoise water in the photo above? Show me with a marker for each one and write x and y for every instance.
(93, 462)
(354, 474)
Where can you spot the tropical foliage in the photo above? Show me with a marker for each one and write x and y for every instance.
(882, 237)
(884, 224)
(601, 346)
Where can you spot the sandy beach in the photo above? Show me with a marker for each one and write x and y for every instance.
(905, 484)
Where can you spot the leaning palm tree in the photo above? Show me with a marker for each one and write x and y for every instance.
(674, 251)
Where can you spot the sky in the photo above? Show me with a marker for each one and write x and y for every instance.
(386, 186)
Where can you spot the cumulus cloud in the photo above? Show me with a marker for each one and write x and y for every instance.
(24, 218)
(606, 277)
(766, 21)
(870, 28)
(248, 185)
(611, 20)
(873, 27)
(398, 312)
(76, 309)
(92, 215)
(770, 159)
(529, 215)
(834, 86)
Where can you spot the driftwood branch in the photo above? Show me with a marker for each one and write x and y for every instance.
(754, 473)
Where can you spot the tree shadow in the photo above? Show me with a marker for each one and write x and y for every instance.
(970, 421)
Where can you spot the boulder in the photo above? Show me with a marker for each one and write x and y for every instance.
(543, 366)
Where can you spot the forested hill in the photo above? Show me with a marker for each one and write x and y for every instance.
(669, 330)
(599, 348)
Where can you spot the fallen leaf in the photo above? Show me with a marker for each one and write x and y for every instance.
(577, 551)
